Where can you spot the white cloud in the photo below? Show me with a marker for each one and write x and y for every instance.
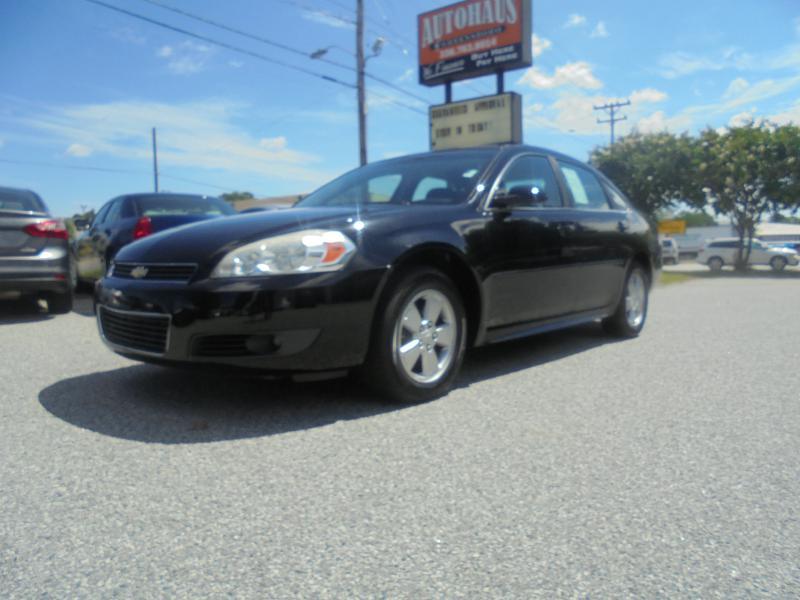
(187, 58)
(78, 150)
(202, 135)
(276, 143)
(743, 118)
(647, 95)
(736, 88)
(678, 64)
(790, 116)
(235, 64)
(325, 18)
(128, 35)
(539, 45)
(658, 122)
(578, 74)
(407, 75)
(600, 30)
(575, 20)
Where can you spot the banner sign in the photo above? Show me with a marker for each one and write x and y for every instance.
(673, 227)
(472, 38)
(477, 122)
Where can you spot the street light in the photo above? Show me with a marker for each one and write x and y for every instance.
(361, 62)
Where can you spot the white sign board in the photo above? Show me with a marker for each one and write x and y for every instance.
(477, 122)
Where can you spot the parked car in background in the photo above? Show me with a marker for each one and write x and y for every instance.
(34, 250)
(670, 253)
(132, 217)
(392, 270)
(723, 251)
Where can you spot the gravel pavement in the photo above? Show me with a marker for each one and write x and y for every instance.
(566, 465)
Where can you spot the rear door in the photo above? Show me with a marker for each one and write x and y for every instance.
(597, 243)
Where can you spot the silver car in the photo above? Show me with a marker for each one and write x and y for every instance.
(34, 251)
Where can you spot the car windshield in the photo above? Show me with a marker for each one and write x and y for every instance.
(416, 180)
(153, 206)
(20, 201)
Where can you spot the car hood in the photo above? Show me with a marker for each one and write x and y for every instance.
(209, 240)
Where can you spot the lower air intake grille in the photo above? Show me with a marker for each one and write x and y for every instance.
(137, 331)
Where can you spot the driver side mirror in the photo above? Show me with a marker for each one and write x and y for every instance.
(81, 224)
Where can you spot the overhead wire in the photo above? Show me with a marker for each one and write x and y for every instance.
(280, 45)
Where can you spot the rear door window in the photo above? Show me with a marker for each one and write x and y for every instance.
(585, 187)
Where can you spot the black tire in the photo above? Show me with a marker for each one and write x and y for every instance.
(382, 370)
(619, 324)
(778, 263)
(59, 303)
(715, 263)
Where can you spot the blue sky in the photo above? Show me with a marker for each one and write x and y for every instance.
(83, 86)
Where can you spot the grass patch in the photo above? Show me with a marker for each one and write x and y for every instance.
(670, 278)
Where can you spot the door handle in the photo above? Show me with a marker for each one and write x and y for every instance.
(622, 226)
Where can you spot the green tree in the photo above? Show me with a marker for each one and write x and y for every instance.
(654, 170)
(233, 197)
(747, 172)
(696, 218)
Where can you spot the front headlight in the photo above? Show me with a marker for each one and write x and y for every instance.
(310, 251)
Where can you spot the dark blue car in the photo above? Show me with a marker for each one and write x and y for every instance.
(128, 218)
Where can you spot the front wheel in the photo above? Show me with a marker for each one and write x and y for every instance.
(715, 264)
(419, 339)
(778, 263)
(628, 320)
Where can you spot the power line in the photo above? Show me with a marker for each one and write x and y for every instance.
(194, 181)
(611, 109)
(31, 163)
(221, 44)
(280, 45)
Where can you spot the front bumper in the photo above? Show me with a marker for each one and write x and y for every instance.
(285, 323)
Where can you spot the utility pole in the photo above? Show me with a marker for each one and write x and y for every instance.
(155, 160)
(362, 101)
(611, 108)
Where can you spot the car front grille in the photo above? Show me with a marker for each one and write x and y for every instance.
(155, 271)
(134, 330)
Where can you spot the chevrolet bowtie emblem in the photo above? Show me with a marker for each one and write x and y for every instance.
(139, 272)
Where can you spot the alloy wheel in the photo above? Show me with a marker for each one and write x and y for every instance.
(425, 337)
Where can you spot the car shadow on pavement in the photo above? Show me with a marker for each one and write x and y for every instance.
(171, 406)
(22, 310)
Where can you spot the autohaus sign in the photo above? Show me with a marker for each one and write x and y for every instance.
(473, 38)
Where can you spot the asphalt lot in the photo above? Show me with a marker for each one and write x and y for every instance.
(567, 465)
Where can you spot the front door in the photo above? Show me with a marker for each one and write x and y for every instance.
(523, 249)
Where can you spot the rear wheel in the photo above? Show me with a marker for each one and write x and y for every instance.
(778, 263)
(59, 303)
(715, 263)
(628, 320)
(419, 338)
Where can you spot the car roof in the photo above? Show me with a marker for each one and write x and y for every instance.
(490, 150)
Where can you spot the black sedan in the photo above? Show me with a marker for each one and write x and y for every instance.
(128, 218)
(393, 270)
(34, 250)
